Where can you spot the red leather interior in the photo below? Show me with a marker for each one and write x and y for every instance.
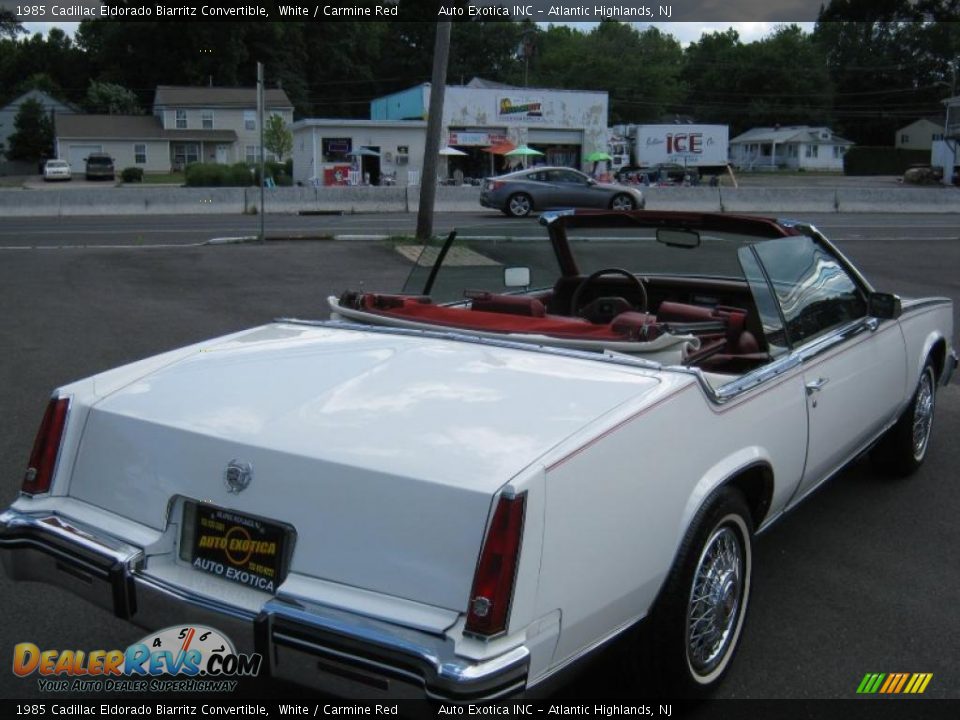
(512, 304)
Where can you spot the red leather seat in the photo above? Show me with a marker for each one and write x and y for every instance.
(511, 304)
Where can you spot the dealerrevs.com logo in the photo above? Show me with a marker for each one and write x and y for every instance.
(183, 658)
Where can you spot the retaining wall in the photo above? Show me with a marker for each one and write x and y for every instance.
(231, 201)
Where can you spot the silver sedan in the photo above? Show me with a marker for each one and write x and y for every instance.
(519, 193)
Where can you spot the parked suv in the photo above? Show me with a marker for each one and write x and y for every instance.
(99, 167)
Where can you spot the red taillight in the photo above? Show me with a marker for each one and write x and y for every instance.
(45, 448)
(493, 184)
(493, 582)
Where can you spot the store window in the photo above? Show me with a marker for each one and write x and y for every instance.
(336, 149)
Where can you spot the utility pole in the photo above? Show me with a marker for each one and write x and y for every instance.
(263, 235)
(431, 153)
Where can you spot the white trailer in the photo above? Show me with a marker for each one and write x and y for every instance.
(642, 147)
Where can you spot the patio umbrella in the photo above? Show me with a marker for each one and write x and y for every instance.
(596, 158)
(523, 151)
(498, 149)
(446, 152)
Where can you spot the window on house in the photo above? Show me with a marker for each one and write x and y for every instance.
(336, 149)
(937, 136)
(206, 119)
(904, 138)
(249, 119)
(811, 151)
(181, 119)
(838, 151)
(140, 154)
(253, 154)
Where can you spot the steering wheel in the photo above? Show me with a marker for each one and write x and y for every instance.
(575, 300)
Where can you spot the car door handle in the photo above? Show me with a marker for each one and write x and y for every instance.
(816, 385)
(872, 324)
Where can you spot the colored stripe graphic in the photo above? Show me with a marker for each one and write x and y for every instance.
(894, 683)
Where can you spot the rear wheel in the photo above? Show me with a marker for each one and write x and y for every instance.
(519, 205)
(623, 202)
(904, 447)
(694, 629)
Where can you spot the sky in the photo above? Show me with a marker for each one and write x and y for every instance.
(685, 32)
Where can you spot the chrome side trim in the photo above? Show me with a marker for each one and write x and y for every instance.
(910, 306)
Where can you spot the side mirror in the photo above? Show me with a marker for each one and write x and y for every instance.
(516, 277)
(885, 306)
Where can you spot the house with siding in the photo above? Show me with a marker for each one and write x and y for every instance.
(188, 124)
(202, 114)
(792, 147)
(920, 134)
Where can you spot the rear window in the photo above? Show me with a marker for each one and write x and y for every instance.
(99, 161)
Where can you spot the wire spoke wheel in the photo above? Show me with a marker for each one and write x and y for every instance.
(923, 415)
(717, 599)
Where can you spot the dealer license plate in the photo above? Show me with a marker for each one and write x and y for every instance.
(244, 549)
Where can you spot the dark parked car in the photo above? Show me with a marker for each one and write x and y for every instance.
(519, 193)
(99, 167)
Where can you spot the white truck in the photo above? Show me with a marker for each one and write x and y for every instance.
(674, 149)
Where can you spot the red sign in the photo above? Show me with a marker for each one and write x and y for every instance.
(336, 175)
(684, 143)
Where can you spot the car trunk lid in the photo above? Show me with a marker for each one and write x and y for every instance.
(384, 452)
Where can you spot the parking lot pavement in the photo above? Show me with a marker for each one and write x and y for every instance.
(861, 578)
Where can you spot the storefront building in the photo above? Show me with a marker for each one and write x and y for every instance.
(482, 120)
(486, 120)
(359, 152)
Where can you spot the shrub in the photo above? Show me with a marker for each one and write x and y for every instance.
(866, 160)
(132, 175)
(214, 175)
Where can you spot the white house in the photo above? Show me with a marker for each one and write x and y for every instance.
(793, 147)
(188, 124)
(198, 119)
(920, 134)
(131, 140)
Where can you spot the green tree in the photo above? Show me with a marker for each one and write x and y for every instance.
(111, 99)
(32, 138)
(277, 137)
(889, 62)
(9, 25)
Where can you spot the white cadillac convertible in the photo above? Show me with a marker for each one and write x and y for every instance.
(460, 491)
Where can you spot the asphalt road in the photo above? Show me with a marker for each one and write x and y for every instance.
(139, 231)
(861, 578)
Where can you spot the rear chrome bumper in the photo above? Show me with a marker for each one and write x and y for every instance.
(324, 648)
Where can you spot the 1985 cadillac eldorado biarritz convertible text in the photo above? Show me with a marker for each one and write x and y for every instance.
(459, 491)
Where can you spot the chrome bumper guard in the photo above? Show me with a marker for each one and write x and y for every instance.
(331, 650)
